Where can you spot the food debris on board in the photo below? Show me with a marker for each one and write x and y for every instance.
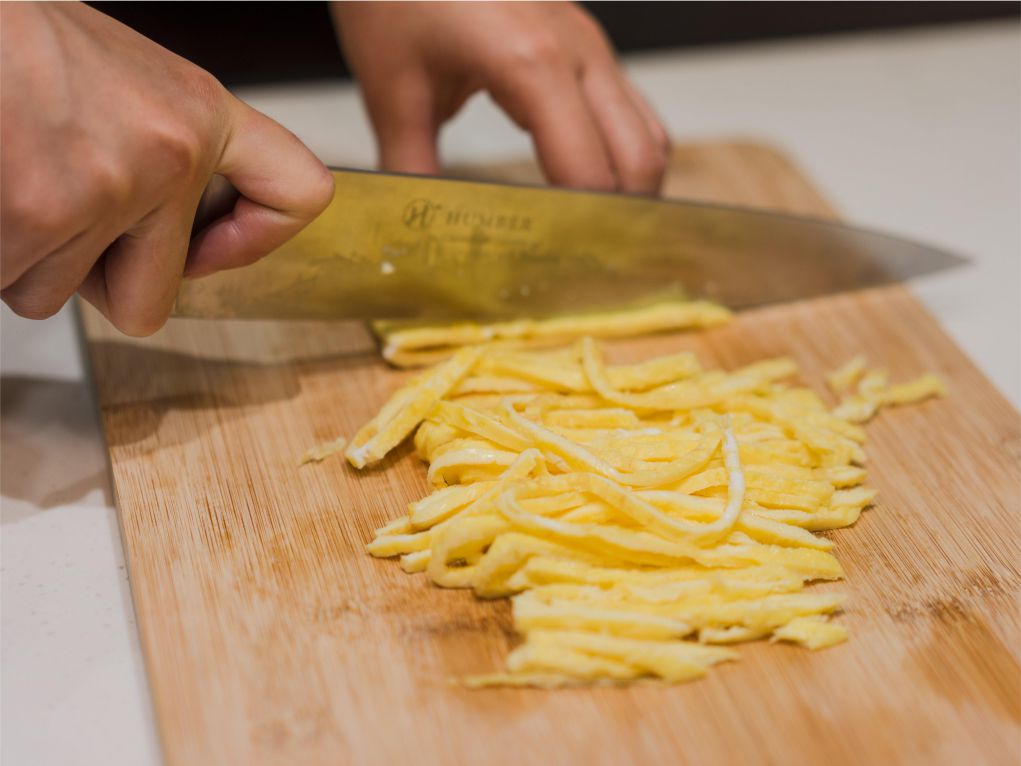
(643, 517)
(320, 452)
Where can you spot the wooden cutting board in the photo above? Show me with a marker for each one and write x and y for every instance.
(272, 638)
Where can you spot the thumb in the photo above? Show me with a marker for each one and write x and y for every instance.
(283, 186)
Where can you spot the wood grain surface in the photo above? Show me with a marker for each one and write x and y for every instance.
(272, 638)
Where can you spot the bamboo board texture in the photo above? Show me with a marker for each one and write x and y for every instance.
(270, 636)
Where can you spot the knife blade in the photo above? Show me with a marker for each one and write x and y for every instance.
(392, 246)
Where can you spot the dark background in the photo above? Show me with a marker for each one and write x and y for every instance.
(248, 42)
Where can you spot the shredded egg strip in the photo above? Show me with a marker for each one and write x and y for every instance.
(410, 346)
(640, 517)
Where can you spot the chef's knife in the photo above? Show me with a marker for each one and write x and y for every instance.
(394, 246)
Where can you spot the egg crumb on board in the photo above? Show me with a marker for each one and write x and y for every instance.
(320, 452)
(641, 517)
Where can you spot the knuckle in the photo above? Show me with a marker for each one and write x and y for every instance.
(593, 30)
(30, 206)
(539, 51)
(320, 188)
(179, 149)
(109, 181)
(203, 86)
(32, 304)
(183, 141)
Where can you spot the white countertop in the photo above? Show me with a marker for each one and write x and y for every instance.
(915, 132)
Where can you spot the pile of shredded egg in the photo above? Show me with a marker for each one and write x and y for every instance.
(641, 517)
